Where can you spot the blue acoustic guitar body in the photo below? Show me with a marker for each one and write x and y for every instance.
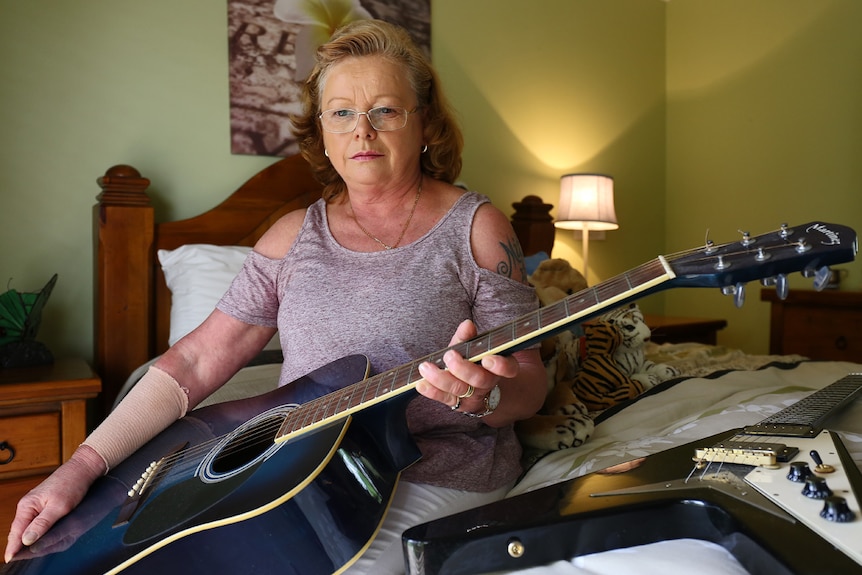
(225, 498)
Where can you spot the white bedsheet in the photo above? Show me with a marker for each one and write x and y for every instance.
(694, 409)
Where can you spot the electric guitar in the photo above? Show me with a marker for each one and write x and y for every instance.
(298, 480)
(783, 496)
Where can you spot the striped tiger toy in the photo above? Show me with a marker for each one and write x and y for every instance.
(599, 382)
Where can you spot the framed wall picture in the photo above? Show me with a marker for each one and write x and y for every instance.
(271, 46)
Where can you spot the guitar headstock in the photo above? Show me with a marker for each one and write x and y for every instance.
(806, 248)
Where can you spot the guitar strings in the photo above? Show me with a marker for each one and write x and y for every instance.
(309, 413)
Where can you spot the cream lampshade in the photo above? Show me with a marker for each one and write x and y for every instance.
(586, 203)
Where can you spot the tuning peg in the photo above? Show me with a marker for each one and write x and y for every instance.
(780, 283)
(785, 231)
(746, 238)
(781, 286)
(738, 293)
(821, 278)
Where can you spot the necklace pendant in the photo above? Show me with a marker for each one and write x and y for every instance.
(403, 229)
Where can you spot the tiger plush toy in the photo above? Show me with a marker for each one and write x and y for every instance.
(599, 382)
(629, 356)
(621, 372)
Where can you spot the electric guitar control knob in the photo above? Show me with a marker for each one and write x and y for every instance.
(836, 509)
(816, 488)
(799, 472)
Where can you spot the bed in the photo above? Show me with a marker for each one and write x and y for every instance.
(716, 390)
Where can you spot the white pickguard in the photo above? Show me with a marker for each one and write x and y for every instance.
(774, 485)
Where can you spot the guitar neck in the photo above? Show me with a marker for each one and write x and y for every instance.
(803, 419)
(787, 250)
(518, 334)
(806, 417)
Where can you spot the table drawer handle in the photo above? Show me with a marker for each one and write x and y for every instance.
(4, 446)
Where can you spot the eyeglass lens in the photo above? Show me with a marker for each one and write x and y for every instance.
(382, 119)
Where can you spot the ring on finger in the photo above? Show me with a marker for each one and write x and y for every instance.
(457, 403)
(468, 393)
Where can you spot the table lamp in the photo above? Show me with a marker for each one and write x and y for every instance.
(586, 204)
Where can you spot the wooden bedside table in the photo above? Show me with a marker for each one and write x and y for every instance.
(817, 324)
(43, 419)
(666, 329)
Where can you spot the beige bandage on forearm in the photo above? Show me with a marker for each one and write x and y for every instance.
(155, 402)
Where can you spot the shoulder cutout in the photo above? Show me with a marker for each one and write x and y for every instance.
(278, 239)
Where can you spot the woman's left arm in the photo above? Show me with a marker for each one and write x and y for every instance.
(521, 376)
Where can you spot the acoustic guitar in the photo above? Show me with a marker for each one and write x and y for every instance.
(298, 480)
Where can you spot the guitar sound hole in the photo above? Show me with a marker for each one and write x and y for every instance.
(248, 445)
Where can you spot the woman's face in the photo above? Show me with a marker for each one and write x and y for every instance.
(366, 157)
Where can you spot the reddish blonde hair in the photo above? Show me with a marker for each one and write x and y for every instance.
(442, 135)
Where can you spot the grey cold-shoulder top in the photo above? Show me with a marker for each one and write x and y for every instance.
(393, 306)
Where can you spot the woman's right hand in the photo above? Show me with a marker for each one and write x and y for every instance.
(55, 497)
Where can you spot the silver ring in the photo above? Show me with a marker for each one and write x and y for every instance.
(468, 393)
(457, 403)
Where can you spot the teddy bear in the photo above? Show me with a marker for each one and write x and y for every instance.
(555, 279)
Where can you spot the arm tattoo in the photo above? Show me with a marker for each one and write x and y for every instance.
(514, 259)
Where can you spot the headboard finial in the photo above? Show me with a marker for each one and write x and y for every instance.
(123, 185)
(534, 225)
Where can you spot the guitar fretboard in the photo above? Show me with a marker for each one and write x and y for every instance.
(522, 332)
(805, 418)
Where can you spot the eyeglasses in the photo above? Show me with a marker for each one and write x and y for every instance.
(382, 119)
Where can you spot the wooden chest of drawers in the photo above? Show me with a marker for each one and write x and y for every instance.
(823, 325)
(669, 329)
(43, 419)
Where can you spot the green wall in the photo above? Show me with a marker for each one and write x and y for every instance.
(551, 88)
(764, 108)
(708, 113)
(88, 84)
(563, 86)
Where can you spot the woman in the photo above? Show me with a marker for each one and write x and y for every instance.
(389, 264)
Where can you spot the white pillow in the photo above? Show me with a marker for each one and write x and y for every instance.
(198, 275)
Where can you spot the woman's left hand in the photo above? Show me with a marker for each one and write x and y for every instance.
(449, 385)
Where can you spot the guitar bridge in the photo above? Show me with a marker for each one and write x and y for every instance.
(746, 453)
(137, 493)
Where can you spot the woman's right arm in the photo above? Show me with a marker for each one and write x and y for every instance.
(186, 374)
(198, 364)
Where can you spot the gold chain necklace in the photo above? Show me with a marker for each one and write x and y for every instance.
(403, 229)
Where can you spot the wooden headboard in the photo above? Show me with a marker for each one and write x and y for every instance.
(132, 302)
